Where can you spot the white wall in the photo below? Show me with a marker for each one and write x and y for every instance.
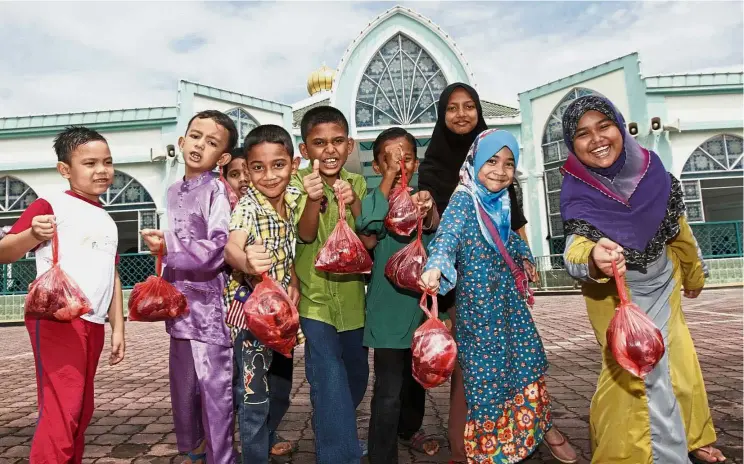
(684, 143)
(202, 103)
(702, 108)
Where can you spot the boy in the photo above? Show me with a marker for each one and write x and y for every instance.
(262, 239)
(67, 353)
(331, 306)
(236, 173)
(193, 248)
(393, 314)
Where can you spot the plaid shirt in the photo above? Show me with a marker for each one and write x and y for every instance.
(254, 215)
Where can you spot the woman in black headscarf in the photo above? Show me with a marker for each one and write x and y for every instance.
(459, 123)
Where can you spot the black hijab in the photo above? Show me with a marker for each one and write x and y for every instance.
(439, 172)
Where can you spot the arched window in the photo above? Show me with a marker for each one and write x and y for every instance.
(243, 121)
(15, 196)
(555, 153)
(132, 208)
(400, 86)
(712, 180)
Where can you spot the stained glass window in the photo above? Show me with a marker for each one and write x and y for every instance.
(243, 121)
(15, 195)
(720, 153)
(125, 190)
(555, 153)
(401, 85)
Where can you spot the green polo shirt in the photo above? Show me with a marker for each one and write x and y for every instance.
(393, 314)
(335, 299)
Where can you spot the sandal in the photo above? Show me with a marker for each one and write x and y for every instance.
(422, 443)
(710, 452)
(559, 452)
(197, 458)
(285, 447)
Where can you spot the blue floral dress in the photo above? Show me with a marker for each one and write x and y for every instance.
(499, 348)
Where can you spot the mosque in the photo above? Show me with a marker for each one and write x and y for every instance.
(393, 74)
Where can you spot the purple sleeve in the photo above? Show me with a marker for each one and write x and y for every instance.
(205, 254)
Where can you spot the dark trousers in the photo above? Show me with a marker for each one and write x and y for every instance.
(398, 404)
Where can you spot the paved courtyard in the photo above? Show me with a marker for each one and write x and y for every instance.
(133, 424)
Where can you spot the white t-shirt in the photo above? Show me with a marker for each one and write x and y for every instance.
(88, 240)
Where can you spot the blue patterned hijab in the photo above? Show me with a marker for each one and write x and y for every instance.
(495, 204)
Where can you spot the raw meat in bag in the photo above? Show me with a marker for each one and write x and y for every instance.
(404, 267)
(343, 252)
(636, 343)
(54, 295)
(433, 349)
(271, 317)
(402, 212)
(156, 299)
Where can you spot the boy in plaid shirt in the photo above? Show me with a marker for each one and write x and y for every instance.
(262, 239)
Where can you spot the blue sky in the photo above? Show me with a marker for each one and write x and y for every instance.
(64, 57)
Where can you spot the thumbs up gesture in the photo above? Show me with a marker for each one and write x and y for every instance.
(257, 259)
(313, 183)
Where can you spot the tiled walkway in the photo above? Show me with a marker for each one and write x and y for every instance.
(133, 423)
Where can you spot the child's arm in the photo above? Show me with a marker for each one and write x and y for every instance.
(685, 248)
(312, 188)
(116, 319)
(34, 227)
(425, 203)
(370, 222)
(191, 255)
(294, 287)
(255, 260)
(442, 250)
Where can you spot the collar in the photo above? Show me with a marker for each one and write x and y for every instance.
(291, 197)
(201, 179)
(82, 198)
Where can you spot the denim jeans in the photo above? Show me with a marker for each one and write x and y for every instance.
(398, 405)
(337, 369)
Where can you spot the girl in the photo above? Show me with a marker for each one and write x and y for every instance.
(459, 123)
(618, 203)
(499, 348)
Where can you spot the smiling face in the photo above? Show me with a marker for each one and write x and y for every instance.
(204, 147)
(597, 141)
(90, 170)
(270, 168)
(409, 158)
(328, 143)
(497, 173)
(462, 113)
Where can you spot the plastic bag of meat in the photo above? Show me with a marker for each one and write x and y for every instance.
(636, 343)
(404, 267)
(433, 349)
(402, 212)
(343, 252)
(54, 295)
(156, 299)
(271, 317)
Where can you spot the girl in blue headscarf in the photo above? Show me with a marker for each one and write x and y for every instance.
(499, 348)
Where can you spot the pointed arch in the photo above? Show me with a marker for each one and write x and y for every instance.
(243, 121)
(555, 153)
(126, 193)
(15, 195)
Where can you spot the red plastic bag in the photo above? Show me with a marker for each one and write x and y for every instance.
(54, 295)
(404, 267)
(271, 317)
(635, 342)
(343, 253)
(156, 299)
(402, 212)
(433, 349)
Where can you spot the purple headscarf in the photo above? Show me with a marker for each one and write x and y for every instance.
(626, 202)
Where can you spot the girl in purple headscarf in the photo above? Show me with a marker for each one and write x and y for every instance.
(618, 203)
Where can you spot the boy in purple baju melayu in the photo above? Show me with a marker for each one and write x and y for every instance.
(200, 348)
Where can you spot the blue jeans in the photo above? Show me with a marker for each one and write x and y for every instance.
(263, 384)
(337, 369)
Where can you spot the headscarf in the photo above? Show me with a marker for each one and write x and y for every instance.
(496, 204)
(446, 151)
(626, 202)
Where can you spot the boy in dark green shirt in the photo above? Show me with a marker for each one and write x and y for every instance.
(393, 314)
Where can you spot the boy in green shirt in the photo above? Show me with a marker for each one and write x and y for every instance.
(393, 314)
(331, 305)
